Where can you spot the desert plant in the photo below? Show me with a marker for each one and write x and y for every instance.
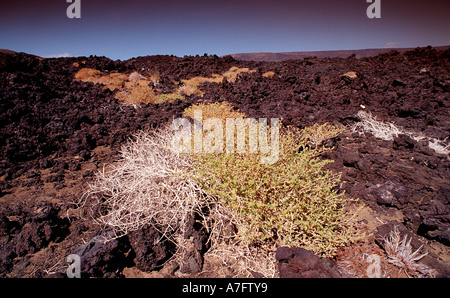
(401, 254)
(388, 131)
(234, 123)
(191, 86)
(148, 186)
(293, 202)
(369, 123)
(137, 94)
(268, 74)
(155, 77)
(168, 97)
(233, 73)
(317, 134)
(145, 187)
(87, 75)
(188, 89)
(220, 110)
(135, 77)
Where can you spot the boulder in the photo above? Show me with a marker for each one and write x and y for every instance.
(403, 141)
(301, 263)
(435, 216)
(151, 252)
(390, 193)
(100, 258)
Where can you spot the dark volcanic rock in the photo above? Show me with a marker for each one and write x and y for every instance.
(40, 226)
(104, 259)
(435, 217)
(390, 193)
(192, 259)
(350, 159)
(150, 249)
(301, 263)
(404, 142)
(50, 113)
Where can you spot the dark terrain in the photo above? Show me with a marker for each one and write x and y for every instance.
(283, 56)
(55, 133)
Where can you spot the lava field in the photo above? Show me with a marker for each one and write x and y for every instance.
(57, 132)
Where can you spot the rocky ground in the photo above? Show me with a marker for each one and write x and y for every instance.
(56, 132)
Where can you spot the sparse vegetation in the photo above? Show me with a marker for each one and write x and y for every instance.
(87, 75)
(268, 74)
(220, 110)
(292, 202)
(381, 130)
(401, 254)
(163, 97)
(191, 86)
(233, 73)
(317, 134)
(145, 187)
(137, 94)
(132, 89)
(388, 131)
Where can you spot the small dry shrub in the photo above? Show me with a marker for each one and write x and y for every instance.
(191, 86)
(388, 131)
(220, 110)
(268, 74)
(137, 94)
(132, 89)
(88, 75)
(369, 123)
(189, 89)
(317, 134)
(155, 77)
(135, 76)
(401, 254)
(145, 186)
(233, 73)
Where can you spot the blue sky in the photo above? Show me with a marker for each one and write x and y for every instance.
(126, 29)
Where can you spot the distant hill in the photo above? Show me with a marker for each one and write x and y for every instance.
(277, 57)
(5, 51)
(9, 52)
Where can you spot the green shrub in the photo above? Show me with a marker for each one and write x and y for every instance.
(221, 110)
(170, 97)
(292, 202)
